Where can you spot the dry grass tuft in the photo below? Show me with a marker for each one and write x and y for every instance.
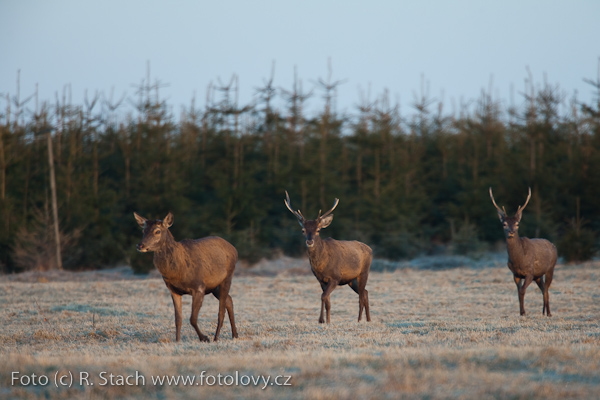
(436, 333)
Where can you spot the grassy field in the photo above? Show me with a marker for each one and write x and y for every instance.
(435, 333)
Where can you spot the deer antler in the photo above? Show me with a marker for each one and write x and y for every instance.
(288, 204)
(521, 208)
(500, 210)
(335, 203)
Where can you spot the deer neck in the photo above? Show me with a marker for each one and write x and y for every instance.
(514, 245)
(316, 254)
(165, 257)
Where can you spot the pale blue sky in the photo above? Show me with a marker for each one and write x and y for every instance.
(458, 46)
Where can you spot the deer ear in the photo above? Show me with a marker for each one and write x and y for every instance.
(168, 221)
(300, 222)
(518, 216)
(324, 223)
(140, 220)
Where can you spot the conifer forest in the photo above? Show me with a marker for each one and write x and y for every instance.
(410, 181)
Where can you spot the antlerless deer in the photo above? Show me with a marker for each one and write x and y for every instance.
(335, 262)
(195, 267)
(528, 259)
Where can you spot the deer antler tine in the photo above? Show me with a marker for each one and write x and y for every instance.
(500, 210)
(521, 208)
(288, 204)
(335, 203)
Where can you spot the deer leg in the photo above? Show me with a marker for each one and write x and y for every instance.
(540, 282)
(229, 307)
(177, 306)
(364, 294)
(197, 298)
(358, 285)
(519, 283)
(321, 318)
(548, 279)
(361, 304)
(217, 292)
(366, 304)
(522, 285)
(325, 303)
(223, 295)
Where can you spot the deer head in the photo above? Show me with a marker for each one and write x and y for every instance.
(311, 228)
(154, 232)
(511, 224)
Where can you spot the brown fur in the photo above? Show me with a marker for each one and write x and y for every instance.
(335, 262)
(528, 259)
(191, 266)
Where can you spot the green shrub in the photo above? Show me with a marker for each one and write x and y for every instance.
(577, 244)
(466, 240)
(141, 263)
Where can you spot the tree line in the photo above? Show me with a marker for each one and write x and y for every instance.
(408, 184)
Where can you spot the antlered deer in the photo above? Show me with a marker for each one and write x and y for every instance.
(335, 262)
(195, 267)
(528, 259)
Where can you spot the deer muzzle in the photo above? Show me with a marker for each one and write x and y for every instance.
(141, 248)
(310, 243)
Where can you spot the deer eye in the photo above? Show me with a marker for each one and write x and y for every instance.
(157, 232)
(303, 230)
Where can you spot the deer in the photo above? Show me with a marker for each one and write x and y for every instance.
(528, 259)
(335, 262)
(193, 267)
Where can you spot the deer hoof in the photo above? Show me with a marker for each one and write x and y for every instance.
(204, 338)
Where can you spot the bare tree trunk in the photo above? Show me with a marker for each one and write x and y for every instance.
(54, 202)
